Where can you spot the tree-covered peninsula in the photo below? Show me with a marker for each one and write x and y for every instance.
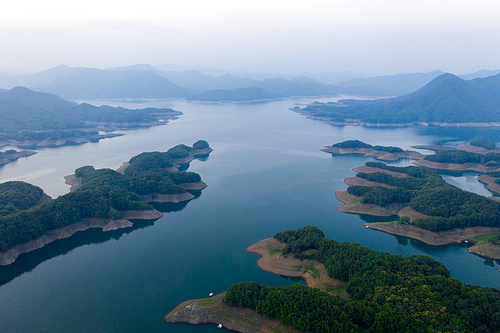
(35, 119)
(387, 293)
(102, 194)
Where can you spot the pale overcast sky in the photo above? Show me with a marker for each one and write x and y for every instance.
(370, 36)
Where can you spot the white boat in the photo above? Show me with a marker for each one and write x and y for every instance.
(210, 295)
(219, 326)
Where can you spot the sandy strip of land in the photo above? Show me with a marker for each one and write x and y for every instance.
(454, 167)
(74, 181)
(352, 204)
(10, 256)
(192, 155)
(367, 169)
(480, 150)
(351, 181)
(490, 183)
(487, 250)
(454, 236)
(369, 152)
(213, 311)
(311, 271)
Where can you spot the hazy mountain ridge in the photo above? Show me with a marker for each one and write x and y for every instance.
(446, 99)
(143, 81)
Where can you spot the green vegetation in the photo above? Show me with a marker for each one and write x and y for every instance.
(16, 196)
(389, 293)
(483, 143)
(200, 144)
(103, 194)
(446, 99)
(28, 115)
(425, 191)
(361, 144)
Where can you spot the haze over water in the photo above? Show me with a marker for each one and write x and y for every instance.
(266, 174)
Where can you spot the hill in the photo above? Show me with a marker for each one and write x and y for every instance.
(393, 85)
(27, 118)
(446, 99)
(234, 95)
(91, 83)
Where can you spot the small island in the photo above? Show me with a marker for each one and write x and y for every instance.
(12, 155)
(383, 293)
(101, 198)
(379, 152)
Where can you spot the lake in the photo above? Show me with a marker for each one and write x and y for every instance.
(266, 174)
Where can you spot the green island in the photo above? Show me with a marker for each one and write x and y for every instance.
(385, 153)
(31, 119)
(102, 198)
(445, 101)
(381, 293)
(12, 155)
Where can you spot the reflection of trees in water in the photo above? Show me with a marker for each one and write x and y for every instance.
(370, 219)
(28, 261)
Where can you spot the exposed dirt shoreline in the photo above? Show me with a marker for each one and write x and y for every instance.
(10, 256)
(212, 310)
(370, 152)
(352, 204)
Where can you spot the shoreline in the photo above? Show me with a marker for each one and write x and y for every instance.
(439, 238)
(354, 122)
(212, 310)
(10, 256)
(370, 152)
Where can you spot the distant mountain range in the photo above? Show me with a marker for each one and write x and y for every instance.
(143, 81)
(447, 99)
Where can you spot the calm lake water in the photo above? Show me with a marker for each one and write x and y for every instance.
(266, 174)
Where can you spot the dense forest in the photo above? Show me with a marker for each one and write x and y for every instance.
(461, 157)
(103, 194)
(425, 191)
(388, 293)
(486, 144)
(361, 144)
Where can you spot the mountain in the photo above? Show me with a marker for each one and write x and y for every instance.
(287, 88)
(94, 84)
(333, 77)
(393, 85)
(479, 74)
(446, 99)
(44, 77)
(196, 81)
(234, 95)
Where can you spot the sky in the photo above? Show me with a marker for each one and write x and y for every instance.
(374, 37)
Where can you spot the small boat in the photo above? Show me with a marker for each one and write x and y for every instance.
(210, 295)
(366, 227)
(466, 241)
(219, 326)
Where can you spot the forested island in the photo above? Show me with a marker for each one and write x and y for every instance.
(386, 293)
(31, 119)
(12, 155)
(386, 153)
(445, 101)
(101, 198)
